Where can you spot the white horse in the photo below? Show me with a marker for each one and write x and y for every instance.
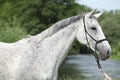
(39, 57)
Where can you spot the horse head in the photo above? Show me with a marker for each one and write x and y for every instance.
(90, 33)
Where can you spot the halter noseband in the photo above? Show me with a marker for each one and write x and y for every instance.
(97, 42)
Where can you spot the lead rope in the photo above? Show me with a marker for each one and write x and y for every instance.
(95, 54)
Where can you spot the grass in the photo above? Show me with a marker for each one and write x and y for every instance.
(116, 53)
(66, 77)
(115, 57)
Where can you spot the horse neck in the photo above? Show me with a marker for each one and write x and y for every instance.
(56, 47)
(68, 35)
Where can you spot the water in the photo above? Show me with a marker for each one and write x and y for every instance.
(86, 67)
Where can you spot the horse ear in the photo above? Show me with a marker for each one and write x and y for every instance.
(98, 14)
(92, 12)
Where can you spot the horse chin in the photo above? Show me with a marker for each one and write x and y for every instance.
(104, 57)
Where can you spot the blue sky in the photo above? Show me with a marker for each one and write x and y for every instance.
(101, 4)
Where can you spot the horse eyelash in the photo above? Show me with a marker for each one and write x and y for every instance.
(93, 28)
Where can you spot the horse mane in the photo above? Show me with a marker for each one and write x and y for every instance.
(65, 22)
(56, 27)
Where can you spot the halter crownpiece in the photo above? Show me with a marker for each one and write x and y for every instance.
(95, 54)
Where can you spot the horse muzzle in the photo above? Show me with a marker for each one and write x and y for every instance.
(106, 56)
(104, 49)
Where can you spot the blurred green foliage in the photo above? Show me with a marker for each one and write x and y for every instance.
(19, 18)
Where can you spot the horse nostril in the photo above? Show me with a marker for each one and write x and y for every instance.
(108, 52)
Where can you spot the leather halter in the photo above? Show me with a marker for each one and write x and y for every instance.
(97, 42)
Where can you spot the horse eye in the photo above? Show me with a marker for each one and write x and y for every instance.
(93, 28)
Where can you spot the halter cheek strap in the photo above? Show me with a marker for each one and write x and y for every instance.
(96, 42)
